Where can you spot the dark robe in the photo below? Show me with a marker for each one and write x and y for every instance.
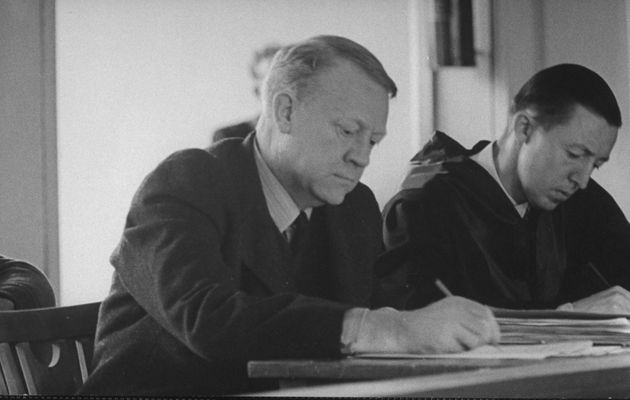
(451, 220)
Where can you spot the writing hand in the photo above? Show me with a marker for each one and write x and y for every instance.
(614, 300)
(450, 325)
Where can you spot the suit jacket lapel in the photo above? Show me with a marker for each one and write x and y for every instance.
(262, 247)
(264, 253)
(352, 283)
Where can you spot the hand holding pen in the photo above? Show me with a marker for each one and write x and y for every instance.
(613, 300)
(452, 324)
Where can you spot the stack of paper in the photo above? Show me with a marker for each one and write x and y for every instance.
(530, 352)
(538, 334)
(549, 326)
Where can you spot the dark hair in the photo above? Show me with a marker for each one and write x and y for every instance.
(295, 65)
(555, 91)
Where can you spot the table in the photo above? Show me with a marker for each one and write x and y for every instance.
(602, 376)
(295, 373)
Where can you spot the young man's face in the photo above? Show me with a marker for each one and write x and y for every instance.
(553, 164)
(333, 131)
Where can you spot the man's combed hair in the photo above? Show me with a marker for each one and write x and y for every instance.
(553, 93)
(295, 65)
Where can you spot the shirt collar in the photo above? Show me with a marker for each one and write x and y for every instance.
(486, 160)
(282, 208)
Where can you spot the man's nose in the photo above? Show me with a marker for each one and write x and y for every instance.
(359, 153)
(581, 175)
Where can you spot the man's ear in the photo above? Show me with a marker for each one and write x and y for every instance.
(283, 107)
(523, 126)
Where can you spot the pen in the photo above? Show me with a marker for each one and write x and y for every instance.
(599, 275)
(443, 288)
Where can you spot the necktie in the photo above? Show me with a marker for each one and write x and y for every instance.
(295, 232)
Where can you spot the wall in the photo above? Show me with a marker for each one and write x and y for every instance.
(464, 107)
(28, 187)
(517, 44)
(140, 79)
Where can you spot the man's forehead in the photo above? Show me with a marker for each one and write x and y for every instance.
(588, 131)
(351, 93)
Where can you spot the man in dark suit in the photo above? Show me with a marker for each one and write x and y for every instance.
(212, 271)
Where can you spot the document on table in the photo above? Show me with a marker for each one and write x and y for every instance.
(530, 351)
(553, 314)
(539, 334)
(612, 331)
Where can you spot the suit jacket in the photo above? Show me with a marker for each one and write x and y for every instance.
(203, 282)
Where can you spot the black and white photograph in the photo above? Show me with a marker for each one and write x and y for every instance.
(315, 198)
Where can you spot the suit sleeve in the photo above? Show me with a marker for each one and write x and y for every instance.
(603, 234)
(170, 260)
(25, 285)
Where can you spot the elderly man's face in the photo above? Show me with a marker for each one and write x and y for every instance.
(553, 164)
(333, 131)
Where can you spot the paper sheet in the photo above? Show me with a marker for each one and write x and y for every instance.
(529, 351)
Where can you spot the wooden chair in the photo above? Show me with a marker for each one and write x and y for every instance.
(46, 350)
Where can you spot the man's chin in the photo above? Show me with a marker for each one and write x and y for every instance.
(333, 199)
(547, 204)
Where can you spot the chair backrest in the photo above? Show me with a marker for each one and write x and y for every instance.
(46, 350)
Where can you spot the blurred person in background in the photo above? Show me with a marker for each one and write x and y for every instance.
(258, 69)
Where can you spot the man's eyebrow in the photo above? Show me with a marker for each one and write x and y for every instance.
(588, 151)
(363, 125)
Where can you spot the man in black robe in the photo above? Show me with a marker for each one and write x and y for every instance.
(517, 222)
